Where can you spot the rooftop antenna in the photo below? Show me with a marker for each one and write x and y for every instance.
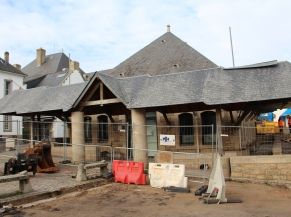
(231, 47)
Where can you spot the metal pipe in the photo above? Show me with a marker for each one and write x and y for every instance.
(230, 36)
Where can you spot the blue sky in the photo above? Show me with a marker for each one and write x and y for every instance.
(101, 34)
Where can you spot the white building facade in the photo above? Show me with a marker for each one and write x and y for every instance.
(11, 79)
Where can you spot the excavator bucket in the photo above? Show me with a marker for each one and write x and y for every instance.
(45, 162)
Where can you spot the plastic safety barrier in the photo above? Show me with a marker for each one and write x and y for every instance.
(166, 175)
(129, 172)
(120, 171)
(136, 173)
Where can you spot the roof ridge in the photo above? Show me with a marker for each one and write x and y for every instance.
(10, 68)
(161, 56)
(168, 74)
(121, 96)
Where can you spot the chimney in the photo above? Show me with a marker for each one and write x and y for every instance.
(73, 65)
(168, 28)
(18, 66)
(40, 56)
(6, 56)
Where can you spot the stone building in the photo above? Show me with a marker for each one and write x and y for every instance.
(167, 88)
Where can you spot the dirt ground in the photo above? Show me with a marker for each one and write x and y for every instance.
(115, 200)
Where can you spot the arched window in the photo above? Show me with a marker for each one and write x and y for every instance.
(186, 129)
(88, 129)
(208, 120)
(102, 128)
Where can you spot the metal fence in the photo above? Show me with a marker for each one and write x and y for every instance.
(194, 146)
(196, 164)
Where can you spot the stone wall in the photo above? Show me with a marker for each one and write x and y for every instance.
(269, 169)
(193, 162)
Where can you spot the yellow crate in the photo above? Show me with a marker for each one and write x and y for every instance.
(267, 127)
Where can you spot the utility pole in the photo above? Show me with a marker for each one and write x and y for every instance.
(231, 47)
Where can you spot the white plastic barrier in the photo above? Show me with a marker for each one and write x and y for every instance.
(217, 181)
(166, 175)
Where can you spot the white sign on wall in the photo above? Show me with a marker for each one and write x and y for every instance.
(167, 139)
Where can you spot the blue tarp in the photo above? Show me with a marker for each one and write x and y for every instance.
(286, 113)
(266, 116)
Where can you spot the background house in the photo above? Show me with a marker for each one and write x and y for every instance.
(11, 78)
(51, 70)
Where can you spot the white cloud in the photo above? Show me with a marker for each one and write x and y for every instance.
(100, 34)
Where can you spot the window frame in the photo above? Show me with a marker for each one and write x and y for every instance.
(186, 129)
(103, 135)
(88, 129)
(7, 123)
(208, 127)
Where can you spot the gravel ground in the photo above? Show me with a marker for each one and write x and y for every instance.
(116, 200)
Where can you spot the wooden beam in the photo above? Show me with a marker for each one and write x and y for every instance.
(231, 117)
(242, 117)
(166, 118)
(61, 117)
(92, 92)
(101, 94)
(251, 114)
(110, 117)
(101, 102)
(88, 97)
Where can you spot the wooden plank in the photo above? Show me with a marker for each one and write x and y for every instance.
(101, 102)
(92, 92)
(166, 118)
(110, 117)
(231, 117)
(101, 93)
(242, 117)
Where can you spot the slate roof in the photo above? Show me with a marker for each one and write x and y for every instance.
(167, 54)
(90, 74)
(215, 86)
(210, 86)
(54, 63)
(5, 66)
(41, 99)
(52, 80)
(248, 85)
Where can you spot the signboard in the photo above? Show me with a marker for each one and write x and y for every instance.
(167, 140)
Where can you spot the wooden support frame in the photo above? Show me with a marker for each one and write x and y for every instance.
(242, 117)
(110, 117)
(101, 102)
(101, 94)
(166, 118)
(231, 117)
(250, 115)
(94, 89)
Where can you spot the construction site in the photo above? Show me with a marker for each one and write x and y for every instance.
(255, 183)
(166, 132)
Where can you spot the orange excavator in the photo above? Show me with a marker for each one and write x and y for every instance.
(45, 162)
(36, 159)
